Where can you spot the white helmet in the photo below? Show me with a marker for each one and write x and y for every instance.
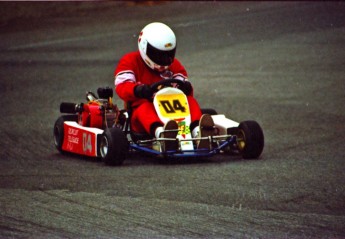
(157, 46)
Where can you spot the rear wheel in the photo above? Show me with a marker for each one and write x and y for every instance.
(250, 139)
(113, 146)
(59, 129)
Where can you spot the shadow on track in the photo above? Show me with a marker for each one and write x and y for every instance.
(136, 159)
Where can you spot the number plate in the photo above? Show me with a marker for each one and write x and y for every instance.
(173, 105)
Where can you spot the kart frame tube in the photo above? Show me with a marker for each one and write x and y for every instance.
(187, 153)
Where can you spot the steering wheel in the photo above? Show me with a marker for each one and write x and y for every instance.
(165, 82)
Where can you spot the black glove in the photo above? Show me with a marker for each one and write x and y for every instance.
(143, 91)
(186, 87)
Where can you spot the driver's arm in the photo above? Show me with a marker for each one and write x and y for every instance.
(180, 73)
(125, 90)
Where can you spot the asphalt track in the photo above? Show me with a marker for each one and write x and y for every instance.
(279, 63)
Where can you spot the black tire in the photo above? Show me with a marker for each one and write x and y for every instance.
(209, 111)
(250, 139)
(59, 129)
(113, 146)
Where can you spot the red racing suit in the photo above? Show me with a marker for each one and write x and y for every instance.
(131, 71)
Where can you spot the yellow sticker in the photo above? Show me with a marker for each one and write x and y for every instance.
(173, 105)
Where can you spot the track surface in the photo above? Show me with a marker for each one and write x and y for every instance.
(281, 64)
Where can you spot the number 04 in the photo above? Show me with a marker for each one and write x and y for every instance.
(172, 107)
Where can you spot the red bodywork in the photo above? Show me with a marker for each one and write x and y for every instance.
(92, 115)
(80, 140)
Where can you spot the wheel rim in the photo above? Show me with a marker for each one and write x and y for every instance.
(241, 140)
(104, 147)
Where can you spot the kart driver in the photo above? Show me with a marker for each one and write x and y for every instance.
(136, 71)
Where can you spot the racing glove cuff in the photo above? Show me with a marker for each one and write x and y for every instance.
(143, 91)
(186, 87)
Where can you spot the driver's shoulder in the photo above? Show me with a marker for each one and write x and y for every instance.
(177, 67)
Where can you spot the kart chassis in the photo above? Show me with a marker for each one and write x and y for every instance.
(99, 129)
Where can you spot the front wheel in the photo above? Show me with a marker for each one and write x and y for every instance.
(113, 146)
(250, 139)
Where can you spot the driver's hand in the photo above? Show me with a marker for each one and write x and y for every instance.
(143, 91)
(186, 87)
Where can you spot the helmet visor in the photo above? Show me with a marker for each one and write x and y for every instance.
(160, 57)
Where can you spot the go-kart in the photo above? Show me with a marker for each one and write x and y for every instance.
(98, 128)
